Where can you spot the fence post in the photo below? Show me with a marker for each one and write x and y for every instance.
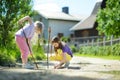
(104, 40)
(87, 42)
(92, 42)
(119, 39)
(98, 42)
(84, 43)
(111, 40)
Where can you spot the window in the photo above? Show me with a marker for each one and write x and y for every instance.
(85, 33)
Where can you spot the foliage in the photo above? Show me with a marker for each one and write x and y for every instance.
(11, 11)
(65, 39)
(74, 48)
(38, 52)
(11, 55)
(101, 50)
(8, 55)
(109, 19)
(112, 72)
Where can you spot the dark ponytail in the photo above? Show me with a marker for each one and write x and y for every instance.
(57, 40)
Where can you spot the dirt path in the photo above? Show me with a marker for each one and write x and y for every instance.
(81, 68)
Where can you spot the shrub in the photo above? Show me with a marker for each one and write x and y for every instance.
(38, 52)
(11, 54)
(7, 56)
(101, 50)
(116, 50)
(65, 39)
(73, 48)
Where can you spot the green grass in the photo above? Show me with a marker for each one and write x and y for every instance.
(110, 57)
(112, 72)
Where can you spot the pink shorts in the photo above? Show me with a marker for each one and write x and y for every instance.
(21, 42)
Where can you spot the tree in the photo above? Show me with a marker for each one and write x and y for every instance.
(10, 12)
(109, 19)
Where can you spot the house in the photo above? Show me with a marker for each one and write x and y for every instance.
(60, 22)
(87, 27)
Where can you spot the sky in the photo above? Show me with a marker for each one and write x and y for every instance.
(77, 7)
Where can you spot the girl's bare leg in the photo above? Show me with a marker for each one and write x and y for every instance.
(24, 61)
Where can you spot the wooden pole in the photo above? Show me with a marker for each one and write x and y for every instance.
(49, 34)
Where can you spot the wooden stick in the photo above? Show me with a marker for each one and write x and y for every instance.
(49, 31)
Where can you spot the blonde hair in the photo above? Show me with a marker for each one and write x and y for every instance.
(39, 25)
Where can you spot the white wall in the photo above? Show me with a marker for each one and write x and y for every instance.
(58, 26)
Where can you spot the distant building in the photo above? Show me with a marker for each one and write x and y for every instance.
(60, 22)
(87, 27)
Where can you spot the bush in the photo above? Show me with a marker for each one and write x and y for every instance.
(115, 50)
(88, 50)
(101, 50)
(7, 56)
(11, 54)
(73, 48)
(65, 39)
(38, 52)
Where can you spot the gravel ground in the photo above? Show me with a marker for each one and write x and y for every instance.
(81, 68)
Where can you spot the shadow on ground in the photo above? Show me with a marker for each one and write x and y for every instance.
(7, 74)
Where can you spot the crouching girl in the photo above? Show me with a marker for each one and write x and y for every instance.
(63, 53)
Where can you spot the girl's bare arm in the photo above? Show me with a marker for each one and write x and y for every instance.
(26, 18)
